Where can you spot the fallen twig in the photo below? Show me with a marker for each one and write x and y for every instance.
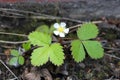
(112, 56)
(76, 26)
(115, 49)
(36, 15)
(40, 16)
(15, 34)
(9, 69)
(13, 42)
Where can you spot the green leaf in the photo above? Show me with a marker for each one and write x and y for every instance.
(26, 46)
(94, 49)
(56, 54)
(21, 60)
(40, 56)
(14, 52)
(43, 29)
(39, 38)
(77, 50)
(13, 61)
(87, 31)
(51, 29)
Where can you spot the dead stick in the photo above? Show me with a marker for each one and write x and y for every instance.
(15, 34)
(9, 69)
(113, 56)
(13, 42)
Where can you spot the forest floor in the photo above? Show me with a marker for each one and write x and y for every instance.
(106, 68)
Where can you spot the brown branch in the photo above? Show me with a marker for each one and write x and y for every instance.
(76, 26)
(15, 34)
(116, 49)
(38, 15)
(13, 42)
(112, 56)
(9, 69)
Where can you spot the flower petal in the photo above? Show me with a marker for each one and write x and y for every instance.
(61, 34)
(66, 30)
(56, 25)
(62, 24)
(56, 32)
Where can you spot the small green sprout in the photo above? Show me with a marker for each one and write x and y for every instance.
(17, 58)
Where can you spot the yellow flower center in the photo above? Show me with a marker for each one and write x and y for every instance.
(60, 29)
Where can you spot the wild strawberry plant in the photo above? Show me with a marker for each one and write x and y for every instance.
(48, 51)
(17, 58)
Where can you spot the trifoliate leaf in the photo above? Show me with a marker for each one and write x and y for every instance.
(94, 49)
(43, 29)
(21, 60)
(56, 54)
(13, 61)
(87, 31)
(40, 56)
(77, 50)
(14, 52)
(39, 38)
(26, 46)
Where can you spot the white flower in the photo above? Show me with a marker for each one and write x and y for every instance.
(61, 29)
